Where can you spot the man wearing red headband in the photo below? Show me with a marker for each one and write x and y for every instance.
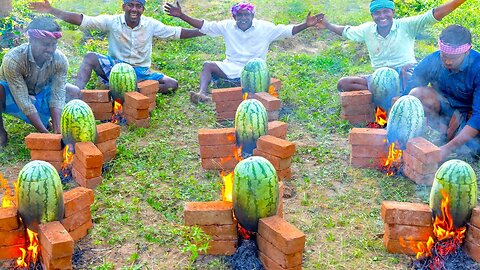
(448, 84)
(33, 79)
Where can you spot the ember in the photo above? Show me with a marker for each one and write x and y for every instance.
(66, 172)
(245, 258)
(393, 164)
(118, 117)
(29, 255)
(380, 119)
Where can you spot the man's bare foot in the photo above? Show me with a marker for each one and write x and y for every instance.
(199, 98)
(3, 138)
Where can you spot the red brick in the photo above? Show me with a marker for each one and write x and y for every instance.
(74, 221)
(139, 123)
(417, 165)
(57, 165)
(404, 213)
(278, 163)
(218, 151)
(418, 178)
(107, 146)
(208, 213)
(472, 250)
(285, 174)
(416, 233)
(221, 232)
(11, 252)
(13, 237)
(55, 240)
(103, 107)
(424, 150)
(276, 83)
(400, 246)
(107, 131)
(276, 146)
(219, 163)
(148, 87)
(216, 136)
(152, 98)
(152, 106)
(226, 116)
(227, 106)
(369, 151)
(9, 219)
(86, 172)
(136, 113)
(368, 136)
(81, 231)
(136, 100)
(88, 154)
(270, 264)
(356, 97)
(361, 109)
(226, 247)
(77, 199)
(226, 94)
(86, 182)
(95, 96)
(475, 218)
(273, 115)
(473, 234)
(43, 141)
(280, 199)
(102, 116)
(271, 251)
(107, 156)
(358, 119)
(286, 237)
(46, 155)
(270, 102)
(277, 129)
(371, 163)
(64, 263)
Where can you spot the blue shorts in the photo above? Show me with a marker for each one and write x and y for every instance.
(40, 101)
(143, 73)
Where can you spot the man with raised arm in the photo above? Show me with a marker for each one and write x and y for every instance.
(130, 37)
(245, 38)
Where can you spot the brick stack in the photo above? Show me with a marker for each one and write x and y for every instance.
(217, 148)
(275, 85)
(12, 234)
(406, 224)
(87, 165)
(149, 88)
(369, 147)
(46, 147)
(277, 129)
(279, 152)
(357, 107)
(215, 219)
(56, 246)
(420, 160)
(472, 239)
(280, 244)
(272, 104)
(226, 102)
(107, 135)
(77, 217)
(100, 103)
(136, 109)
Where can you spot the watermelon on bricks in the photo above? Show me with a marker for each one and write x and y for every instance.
(384, 85)
(251, 122)
(255, 77)
(122, 79)
(77, 123)
(406, 121)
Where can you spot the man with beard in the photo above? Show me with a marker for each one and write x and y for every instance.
(245, 38)
(130, 37)
(33, 79)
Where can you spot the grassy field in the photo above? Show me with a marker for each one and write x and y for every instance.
(138, 209)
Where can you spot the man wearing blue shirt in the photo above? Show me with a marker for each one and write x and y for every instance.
(448, 84)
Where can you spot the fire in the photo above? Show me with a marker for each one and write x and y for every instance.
(272, 91)
(67, 160)
(227, 178)
(29, 255)
(245, 96)
(380, 119)
(394, 160)
(8, 197)
(117, 115)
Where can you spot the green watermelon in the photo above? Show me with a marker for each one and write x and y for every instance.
(406, 121)
(40, 194)
(77, 123)
(457, 179)
(122, 79)
(255, 77)
(255, 191)
(251, 122)
(384, 85)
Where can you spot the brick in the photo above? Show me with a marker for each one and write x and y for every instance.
(107, 131)
(358, 119)
(107, 156)
(271, 251)
(87, 172)
(88, 154)
(74, 221)
(13, 237)
(472, 250)
(139, 123)
(152, 98)
(107, 146)
(86, 182)
(148, 87)
(227, 106)
(280, 199)
(221, 232)
(278, 163)
(225, 247)
(404, 213)
(283, 235)
(273, 115)
(43, 141)
(400, 246)
(423, 150)
(77, 199)
(416, 233)
(226, 115)
(276, 83)
(57, 165)
(285, 174)
(64, 263)
(46, 155)
(136, 100)
(277, 129)
(136, 113)
(102, 116)
(270, 102)
(369, 151)
(90, 96)
(11, 252)
(473, 234)
(361, 109)
(208, 213)
(475, 218)
(152, 106)
(366, 162)
(356, 97)
(101, 107)
(81, 231)
(55, 240)
(218, 151)
(226, 94)
(270, 264)
(275, 146)
(216, 136)
(368, 136)
(417, 165)
(418, 178)
(9, 219)
(219, 163)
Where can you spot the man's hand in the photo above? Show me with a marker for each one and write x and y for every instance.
(174, 11)
(42, 7)
(444, 152)
(313, 20)
(322, 22)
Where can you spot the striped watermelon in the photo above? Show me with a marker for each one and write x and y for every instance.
(77, 123)
(255, 191)
(255, 76)
(251, 122)
(457, 179)
(406, 121)
(40, 194)
(384, 85)
(122, 79)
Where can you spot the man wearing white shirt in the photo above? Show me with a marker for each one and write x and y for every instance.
(245, 38)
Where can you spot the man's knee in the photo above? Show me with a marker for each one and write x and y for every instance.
(170, 85)
(72, 92)
(91, 59)
(343, 83)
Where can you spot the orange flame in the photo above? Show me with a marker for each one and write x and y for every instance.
(272, 91)
(380, 116)
(67, 160)
(8, 197)
(227, 189)
(29, 255)
(117, 111)
(393, 161)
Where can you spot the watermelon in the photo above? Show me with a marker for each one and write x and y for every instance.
(40, 194)
(406, 121)
(384, 85)
(122, 79)
(457, 179)
(77, 123)
(251, 122)
(255, 191)
(255, 77)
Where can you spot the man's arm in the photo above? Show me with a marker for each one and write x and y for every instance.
(324, 24)
(464, 136)
(309, 22)
(176, 11)
(55, 113)
(190, 33)
(443, 10)
(46, 7)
